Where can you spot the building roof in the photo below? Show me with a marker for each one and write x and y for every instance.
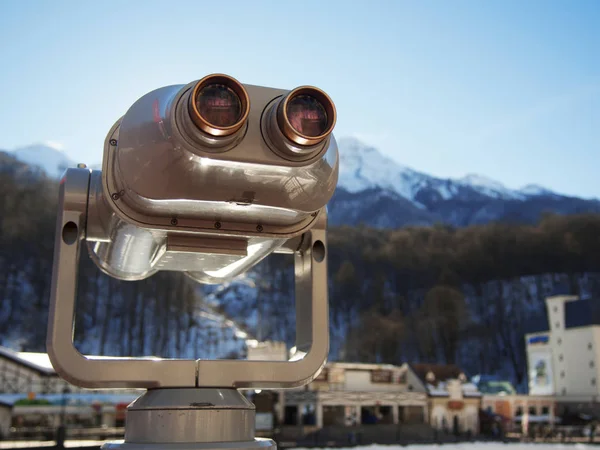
(35, 361)
(40, 362)
(471, 390)
(442, 372)
(582, 313)
(361, 366)
(496, 387)
(444, 375)
(493, 385)
(441, 390)
(74, 399)
(578, 313)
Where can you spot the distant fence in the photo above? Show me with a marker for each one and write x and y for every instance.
(74, 433)
(43, 438)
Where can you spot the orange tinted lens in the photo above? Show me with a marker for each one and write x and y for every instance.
(219, 105)
(307, 115)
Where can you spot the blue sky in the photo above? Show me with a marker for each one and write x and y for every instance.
(506, 89)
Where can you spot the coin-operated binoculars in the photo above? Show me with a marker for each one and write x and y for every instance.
(208, 179)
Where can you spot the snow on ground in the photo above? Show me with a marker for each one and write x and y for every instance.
(37, 359)
(474, 446)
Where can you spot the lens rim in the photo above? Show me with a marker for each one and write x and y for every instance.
(204, 124)
(294, 135)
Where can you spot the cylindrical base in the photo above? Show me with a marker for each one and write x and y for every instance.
(191, 419)
(256, 444)
(190, 415)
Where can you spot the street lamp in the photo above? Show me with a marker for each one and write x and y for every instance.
(61, 432)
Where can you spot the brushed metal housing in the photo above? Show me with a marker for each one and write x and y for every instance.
(170, 197)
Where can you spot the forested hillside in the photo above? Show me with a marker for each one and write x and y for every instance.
(444, 294)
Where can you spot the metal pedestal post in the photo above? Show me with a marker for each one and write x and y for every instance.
(182, 408)
(191, 418)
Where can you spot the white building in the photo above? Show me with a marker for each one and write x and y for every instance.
(32, 374)
(454, 402)
(516, 409)
(354, 394)
(351, 394)
(33, 394)
(563, 362)
(563, 350)
(24, 372)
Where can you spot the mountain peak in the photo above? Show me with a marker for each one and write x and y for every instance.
(353, 144)
(480, 180)
(53, 145)
(363, 167)
(488, 186)
(375, 190)
(535, 189)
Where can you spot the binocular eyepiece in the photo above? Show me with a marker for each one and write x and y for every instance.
(210, 177)
(219, 106)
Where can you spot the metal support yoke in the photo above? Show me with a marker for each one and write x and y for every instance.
(312, 338)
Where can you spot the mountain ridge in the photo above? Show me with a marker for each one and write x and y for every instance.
(356, 155)
(376, 191)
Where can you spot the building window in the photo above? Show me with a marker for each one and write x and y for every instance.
(545, 411)
(560, 357)
(532, 411)
(589, 346)
(564, 391)
(556, 309)
(591, 364)
(593, 382)
(559, 341)
(519, 412)
(562, 374)
(557, 324)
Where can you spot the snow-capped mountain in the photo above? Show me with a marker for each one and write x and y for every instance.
(49, 158)
(363, 167)
(375, 190)
(534, 189)
(489, 187)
